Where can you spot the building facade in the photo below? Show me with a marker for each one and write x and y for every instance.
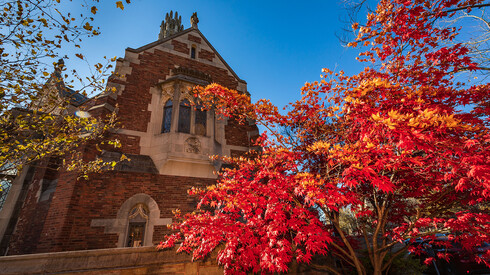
(165, 133)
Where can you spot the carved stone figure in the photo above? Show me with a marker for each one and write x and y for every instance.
(194, 20)
(192, 145)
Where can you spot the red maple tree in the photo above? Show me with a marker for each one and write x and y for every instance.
(403, 149)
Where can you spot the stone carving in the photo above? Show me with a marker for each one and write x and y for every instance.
(192, 145)
(192, 73)
(139, 210)
(171, 25)
(167, 93)
(194, 20)
(186, 93)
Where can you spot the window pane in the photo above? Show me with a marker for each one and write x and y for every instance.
(167, 117)
(200, 121)
(193, 53)
(5, 184)
(185, 117)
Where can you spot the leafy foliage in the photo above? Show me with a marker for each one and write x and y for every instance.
(35, 121)
(404, 149)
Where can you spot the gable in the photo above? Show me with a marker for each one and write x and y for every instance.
(182, 43)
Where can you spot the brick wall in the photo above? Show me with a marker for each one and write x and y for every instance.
(133, 102)
(206, 55)
(68, 220)
(193, 38)
(32, 218)
(240, 134)
(180, 46)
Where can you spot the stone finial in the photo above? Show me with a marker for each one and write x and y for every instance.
(194, 20)
(171, 25)
(58, 67)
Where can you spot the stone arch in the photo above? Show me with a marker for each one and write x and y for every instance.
(166, 93)
(120, 224)
(154, 215)
(186, 93)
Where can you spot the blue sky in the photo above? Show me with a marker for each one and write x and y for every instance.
(276, 46)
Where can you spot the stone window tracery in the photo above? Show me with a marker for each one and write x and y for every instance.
(188, 116)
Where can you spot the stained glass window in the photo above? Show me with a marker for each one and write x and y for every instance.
(185, 116)
(201, 118)
(167, 117)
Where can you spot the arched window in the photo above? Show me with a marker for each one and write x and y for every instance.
(185, 116)
(193, 52)
(200, 120)
(167, 117)
(6, 180)
(138, 219)
(5, 184)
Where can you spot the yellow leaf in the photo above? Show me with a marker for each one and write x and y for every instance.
(376, 117)
(120, 5)
(123, 157)
(393, 114)
(93, 10)
(45, 73)
(87, 26)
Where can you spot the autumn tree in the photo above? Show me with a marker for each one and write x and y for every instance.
(472, 23)
(35, 121)
(403, 148)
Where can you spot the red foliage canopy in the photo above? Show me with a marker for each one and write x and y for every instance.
(402, 149)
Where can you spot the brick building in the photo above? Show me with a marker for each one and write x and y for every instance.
(167, 140)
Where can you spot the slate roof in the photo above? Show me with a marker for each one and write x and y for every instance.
(74, 98)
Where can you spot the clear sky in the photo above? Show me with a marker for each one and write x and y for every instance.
(276, 46)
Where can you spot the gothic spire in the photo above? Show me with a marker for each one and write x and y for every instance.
(171, 25)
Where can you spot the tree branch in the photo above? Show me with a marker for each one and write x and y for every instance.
(467, 7)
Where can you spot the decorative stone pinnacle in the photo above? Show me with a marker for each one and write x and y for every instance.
(194, 20)
(171, 25)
